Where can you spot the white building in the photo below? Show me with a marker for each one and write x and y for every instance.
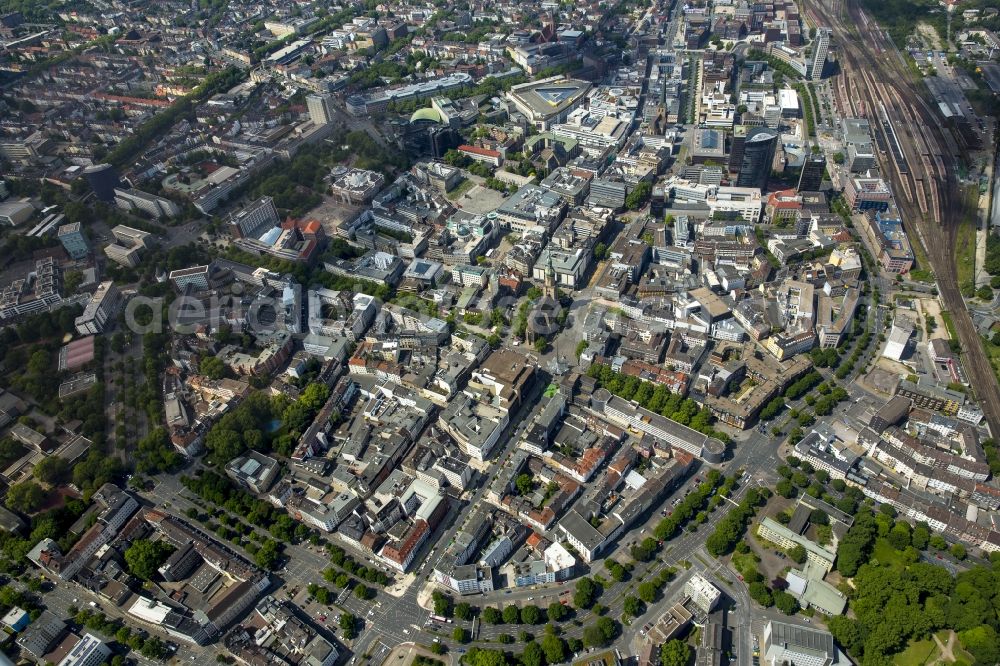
(104, 305)
(898, 340)
(793, 644)
(820, 50)
(704, 595)
(89, 651)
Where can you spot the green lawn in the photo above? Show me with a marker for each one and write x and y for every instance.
(886, 554)
(965, 252)
(460, 189)
(949, 324)
(917, 654)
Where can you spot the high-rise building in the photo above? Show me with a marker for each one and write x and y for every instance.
(320, 109)
(820, 49)
(758, 155)
(103, 179)
(736, 149)
(255, 219)
(73, 241)
(813, 169)
(103, 306)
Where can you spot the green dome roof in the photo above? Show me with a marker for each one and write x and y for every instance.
(430, 113)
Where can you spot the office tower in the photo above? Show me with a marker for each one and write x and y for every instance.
(255, 219)
(320, 109)
(73, 241)
(813, 169)
(103, 179)
(820, 49)
(758, 156)
(103, 307)
(736, 149)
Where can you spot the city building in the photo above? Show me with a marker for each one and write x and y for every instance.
(103, 179)
(102, 308)
(547, 101)
(197, 277)
(703, 594)
(786, 643)
(276, 634)
(128, 246)
(865, 193)
(629, 415)
(758, 157)
(157, 207)
(813, 170)
(821, 556)
(42, 635)
(73, 241)
(13, 213)
(254, 220)
(253, 471)
(321, 110)
(532, 206)
(505, 374)
(897, 343)
(821, 48)
(88, 651)
(356, 186)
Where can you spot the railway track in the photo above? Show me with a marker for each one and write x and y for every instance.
(875, 77)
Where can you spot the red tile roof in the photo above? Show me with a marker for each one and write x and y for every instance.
(476, 150)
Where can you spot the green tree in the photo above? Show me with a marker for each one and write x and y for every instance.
(632, 606)
(982, 642)
(442, 604)
(585, 593)
(492, 616)
(608, 627)
(675, 653)
(636, 199)
(525, 484)
(554, 648)
(556, 611)
(463, 611)
(26, 497)
(460, 635)
(532, 655)
(52, 470)
(958, 551)
(212, 367)
(647, 591)
(267, 555)
(785, 602)
(511, 615)
(530, 615)
(144, 557)
(797, 553)
(760, 594)
(348, 625)
(593, 636)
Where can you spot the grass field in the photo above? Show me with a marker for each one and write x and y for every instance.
(917, 653)
(965, 254)
(886, 554)
(460, 189)
(919, 256)
(949, 324)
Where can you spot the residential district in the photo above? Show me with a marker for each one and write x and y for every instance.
(495, 333)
